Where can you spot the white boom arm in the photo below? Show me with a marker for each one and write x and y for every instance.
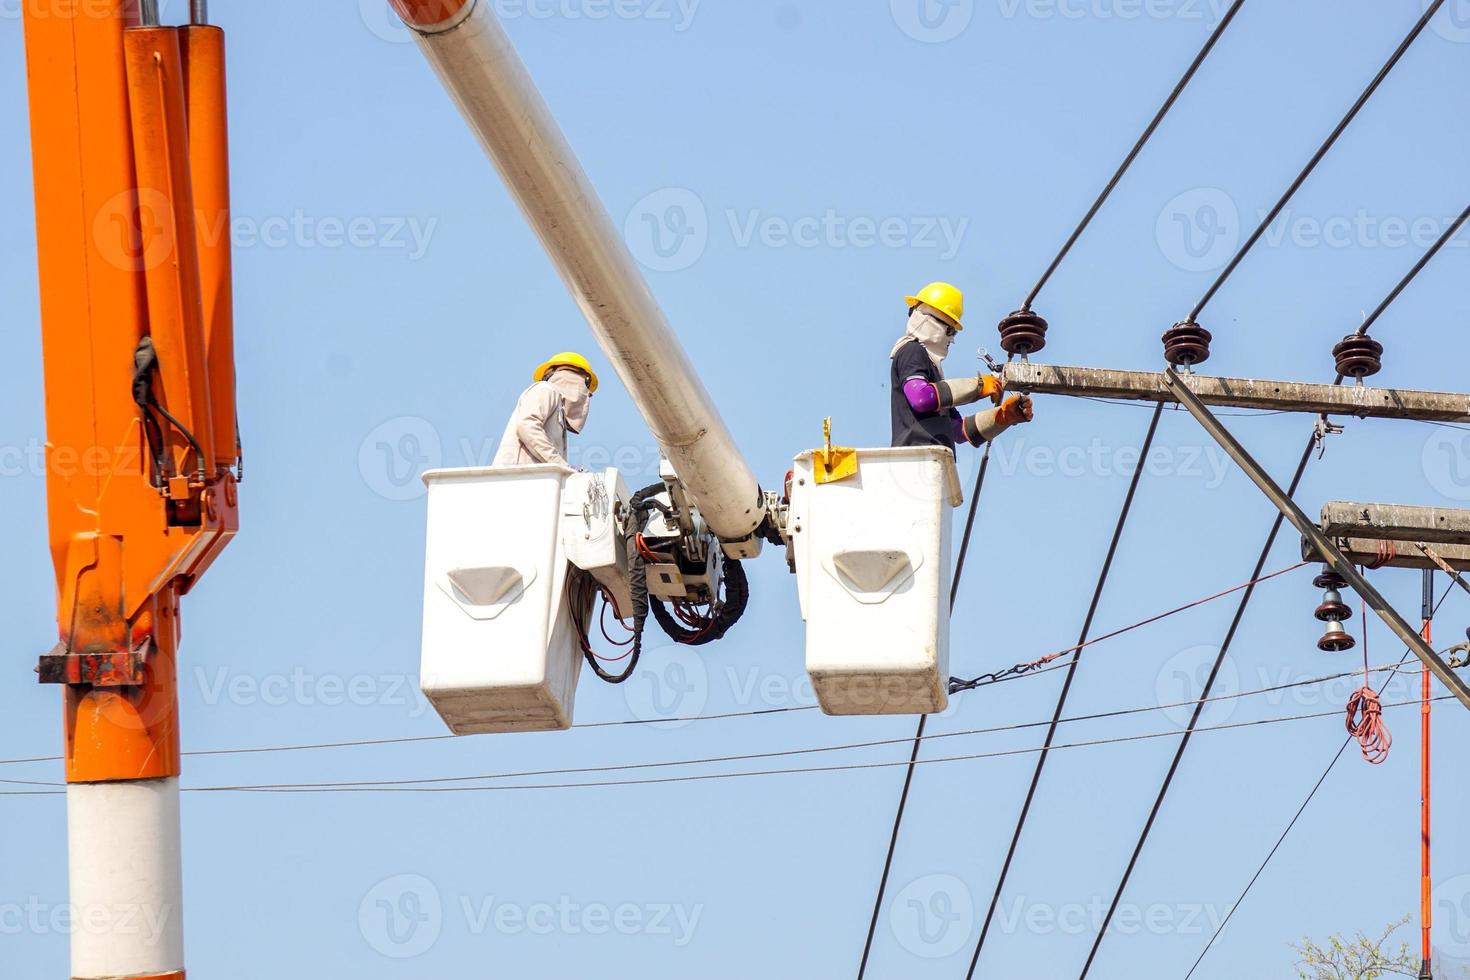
(477, 64)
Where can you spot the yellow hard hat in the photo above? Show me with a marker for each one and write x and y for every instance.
(943, 297)
(569, 359)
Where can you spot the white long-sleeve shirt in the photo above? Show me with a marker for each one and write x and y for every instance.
(537, 430)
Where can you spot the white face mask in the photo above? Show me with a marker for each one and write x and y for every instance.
(576, 398)
(930, 331)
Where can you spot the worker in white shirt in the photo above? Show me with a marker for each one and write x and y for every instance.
(556, 403)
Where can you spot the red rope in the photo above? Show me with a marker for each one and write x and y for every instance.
(1165, 615)
(1365, 714)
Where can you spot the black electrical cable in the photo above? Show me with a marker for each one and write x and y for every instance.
(731, 608)
(1414, 272)
(1297, 816)
(1245, 600)
(908, 776)
(1306, 171)
(1148, 133)
(1102, 581)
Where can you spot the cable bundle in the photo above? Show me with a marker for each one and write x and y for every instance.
(1365, 723)
(1365, 714)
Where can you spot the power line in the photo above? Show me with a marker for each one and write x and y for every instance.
(844, 747)
(1413, 273)
(704, 777)
(355, 743)
(1296, 817)
(968, 685)
(1322, 150)
(1148, 132)
(1230, 634)
(908, 777)
(1051, 731)
(1270, 541)
(1020, 670)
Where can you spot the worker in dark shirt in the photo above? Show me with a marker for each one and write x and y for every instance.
(925, 403)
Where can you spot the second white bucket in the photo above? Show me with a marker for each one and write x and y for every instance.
(873, 573)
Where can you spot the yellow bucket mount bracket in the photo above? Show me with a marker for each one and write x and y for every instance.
(833, 463)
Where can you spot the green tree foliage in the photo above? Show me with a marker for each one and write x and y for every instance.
(1359, 958)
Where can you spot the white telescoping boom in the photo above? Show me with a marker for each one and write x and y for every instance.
(481, 70)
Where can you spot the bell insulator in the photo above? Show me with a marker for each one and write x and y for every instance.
(1358, 357)
(1022, 333)
(1330, 580)
(1187, 344)
(1334, 612)
(1336, 639)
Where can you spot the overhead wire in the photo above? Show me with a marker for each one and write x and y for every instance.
(1142, 141)
(908, 777)
(816, 750)
(1317, 157)
(1209, 685)
(957, 685)
(704, 777)
(976, 684)
(1368, 322)
(1102, 579)
(1371, 728)
(1296, 817)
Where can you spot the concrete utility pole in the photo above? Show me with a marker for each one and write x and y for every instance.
(1279, 396)
(1323, 546)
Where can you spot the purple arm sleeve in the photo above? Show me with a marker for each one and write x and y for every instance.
(958, 422)
(921, 395)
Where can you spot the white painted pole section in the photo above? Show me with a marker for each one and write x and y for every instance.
(480, 68)
(126, 883)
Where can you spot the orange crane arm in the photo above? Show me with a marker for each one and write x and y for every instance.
(129, 151)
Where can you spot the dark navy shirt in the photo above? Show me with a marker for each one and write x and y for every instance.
(911, 428)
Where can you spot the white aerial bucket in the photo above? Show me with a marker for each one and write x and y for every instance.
(873, 574)
(500, 653)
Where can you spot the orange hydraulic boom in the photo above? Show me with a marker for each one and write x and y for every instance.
(130, 155)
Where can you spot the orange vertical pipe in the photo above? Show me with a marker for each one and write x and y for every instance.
(1426, 883)
(171, 270)
(209, 165)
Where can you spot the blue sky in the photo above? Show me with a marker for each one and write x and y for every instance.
(804, 165)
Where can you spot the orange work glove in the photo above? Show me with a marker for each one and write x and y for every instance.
(992, 387)
(1015, 411)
